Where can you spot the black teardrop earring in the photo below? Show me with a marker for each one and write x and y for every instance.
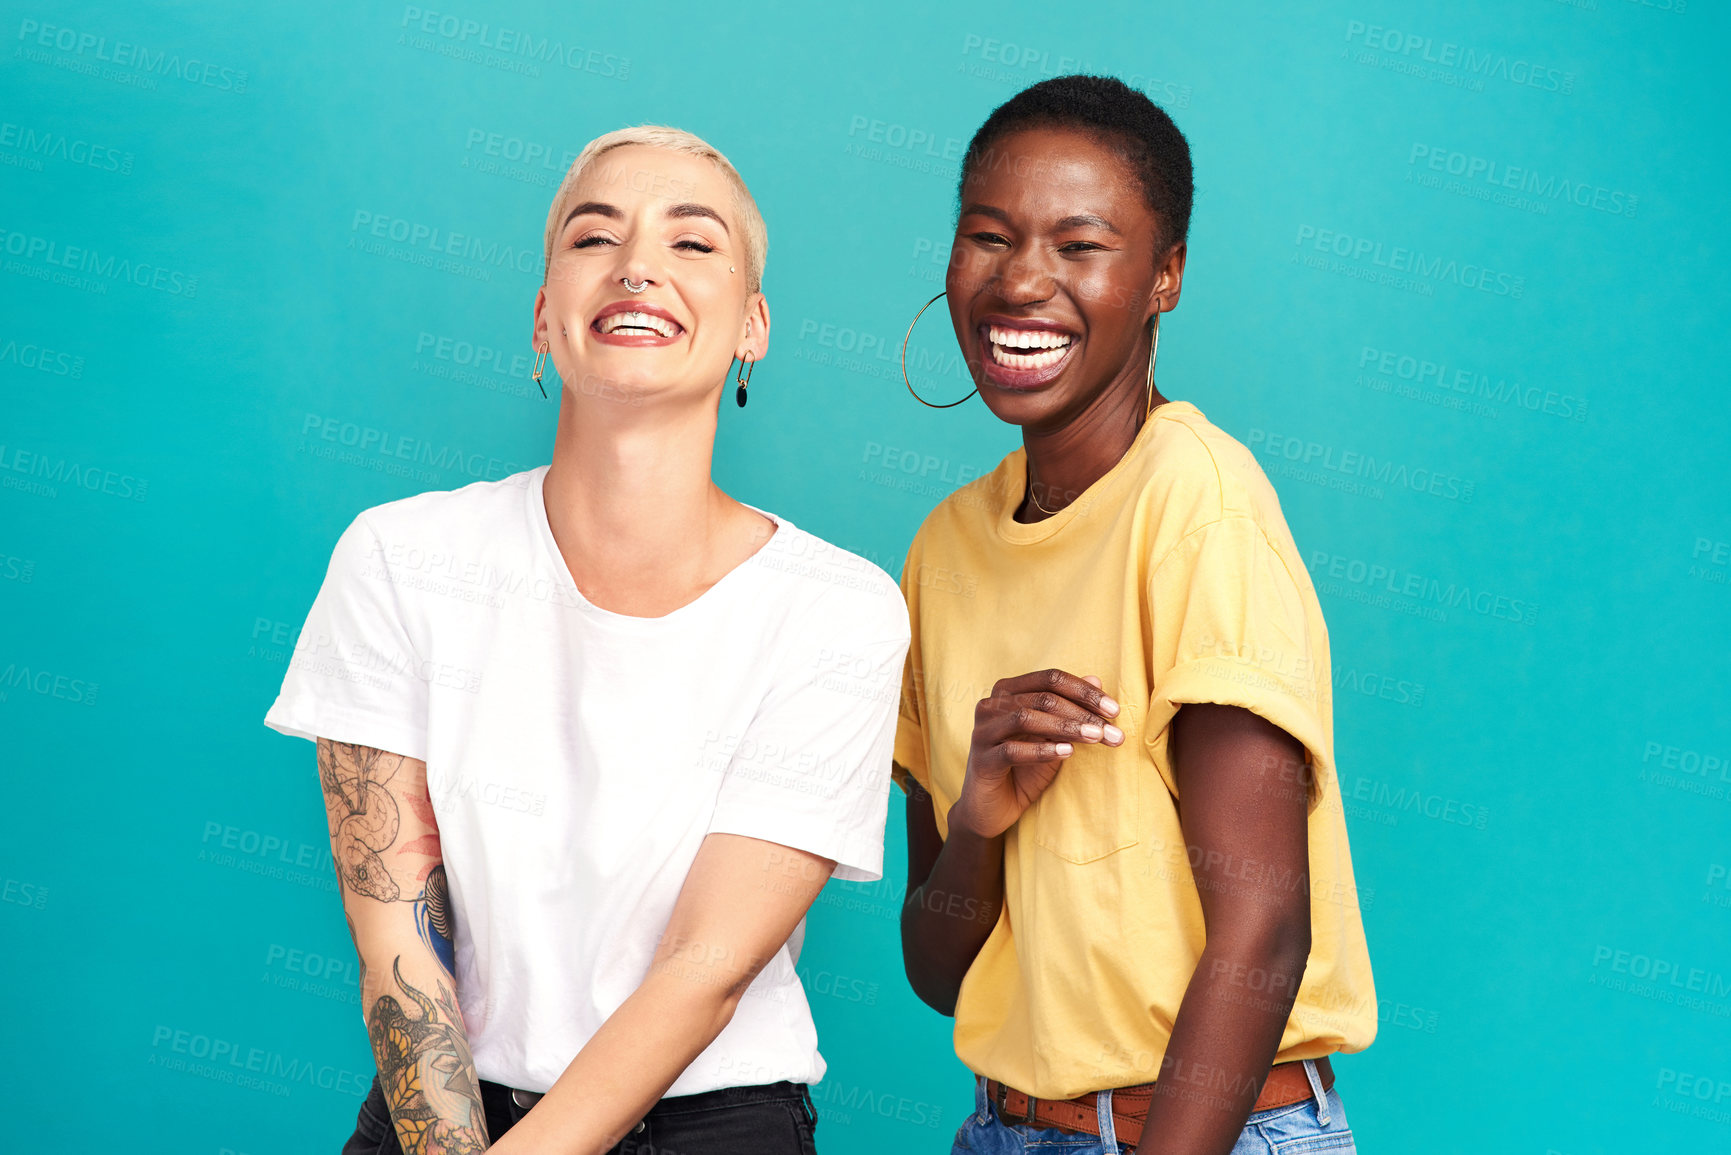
(746, 364)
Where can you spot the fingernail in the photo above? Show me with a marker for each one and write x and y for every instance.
(1090, 731)
(1108, 706)
(1114, 735)
(1064, 749)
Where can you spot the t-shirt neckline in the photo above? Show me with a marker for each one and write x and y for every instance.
(1014, 476)
(543, 532)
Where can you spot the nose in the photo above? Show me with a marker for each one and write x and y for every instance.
(639, 262)
(1024, 277)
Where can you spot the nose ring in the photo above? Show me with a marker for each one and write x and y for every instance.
(634, 286)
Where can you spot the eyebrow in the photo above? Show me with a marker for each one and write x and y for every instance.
(995, 213)
(690, 209)
(599, 208)
(1078, 221)
(677, 212)
(1087, 221)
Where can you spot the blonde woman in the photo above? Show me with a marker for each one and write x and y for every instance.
(592, 737)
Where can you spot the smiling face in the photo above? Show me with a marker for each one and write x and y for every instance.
(1053, 275)
(665, 221)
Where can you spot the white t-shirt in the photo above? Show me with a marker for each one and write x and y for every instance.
(577, 757)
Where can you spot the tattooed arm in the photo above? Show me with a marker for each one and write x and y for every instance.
(385, 844)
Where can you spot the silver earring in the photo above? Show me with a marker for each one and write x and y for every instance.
(731, 269)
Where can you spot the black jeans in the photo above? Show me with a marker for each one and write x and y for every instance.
(772, 1119)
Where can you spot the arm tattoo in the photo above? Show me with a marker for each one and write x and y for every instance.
(427, 1072)
(433, 919)
(365, 822)
(363, 816)
(425, 1066)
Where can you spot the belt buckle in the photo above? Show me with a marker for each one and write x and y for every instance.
(525, 1099)
(1001, 1100)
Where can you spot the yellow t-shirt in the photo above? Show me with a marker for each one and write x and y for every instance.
(1175, 579)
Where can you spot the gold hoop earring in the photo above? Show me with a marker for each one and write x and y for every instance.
(540, 360)
(910, 384)
(1153, 350)
(746, 364)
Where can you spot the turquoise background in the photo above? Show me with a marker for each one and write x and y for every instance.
(1538, 797)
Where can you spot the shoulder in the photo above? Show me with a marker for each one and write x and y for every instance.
(1198, 473)
(829, 592)
(443, 533)
(971, 511)
(1209, 497)
(448, 515)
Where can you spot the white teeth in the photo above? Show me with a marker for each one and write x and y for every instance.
(1008, 338)
(1028, 360)
(1048, 346)
(617, 321)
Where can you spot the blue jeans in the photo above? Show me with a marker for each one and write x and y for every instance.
(1316, 1124)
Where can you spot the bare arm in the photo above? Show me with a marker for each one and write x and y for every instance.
(1242, 784)
(1022, 734)
(385, 844)
(741, 900)
(955, 892)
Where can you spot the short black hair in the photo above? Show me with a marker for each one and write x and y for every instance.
(1125, 119)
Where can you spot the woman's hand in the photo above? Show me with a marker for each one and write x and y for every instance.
(1022, 734)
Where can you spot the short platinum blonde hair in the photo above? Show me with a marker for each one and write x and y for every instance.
(755, 241)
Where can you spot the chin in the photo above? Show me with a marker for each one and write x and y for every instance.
(1020, 407)
(618, 379)
(640, 378)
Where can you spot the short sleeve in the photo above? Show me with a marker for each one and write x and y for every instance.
(354, 675)
(1235, 627)
(812, 770)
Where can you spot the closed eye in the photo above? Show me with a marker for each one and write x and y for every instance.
(592, 240)
(694, 246)
(988, 238)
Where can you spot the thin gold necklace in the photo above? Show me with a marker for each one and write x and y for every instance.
(1036, 500)
(1147, 413)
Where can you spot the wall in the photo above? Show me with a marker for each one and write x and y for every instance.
(1456, 276)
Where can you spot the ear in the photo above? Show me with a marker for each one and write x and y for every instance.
(755, 343)
(538, 330)
(1168, 281)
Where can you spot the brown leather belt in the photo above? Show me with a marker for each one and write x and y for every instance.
(1286, 1084)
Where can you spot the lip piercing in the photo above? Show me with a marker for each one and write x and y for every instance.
(633, 286)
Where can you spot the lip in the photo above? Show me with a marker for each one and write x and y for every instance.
(1021, 380)
(636, 340)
